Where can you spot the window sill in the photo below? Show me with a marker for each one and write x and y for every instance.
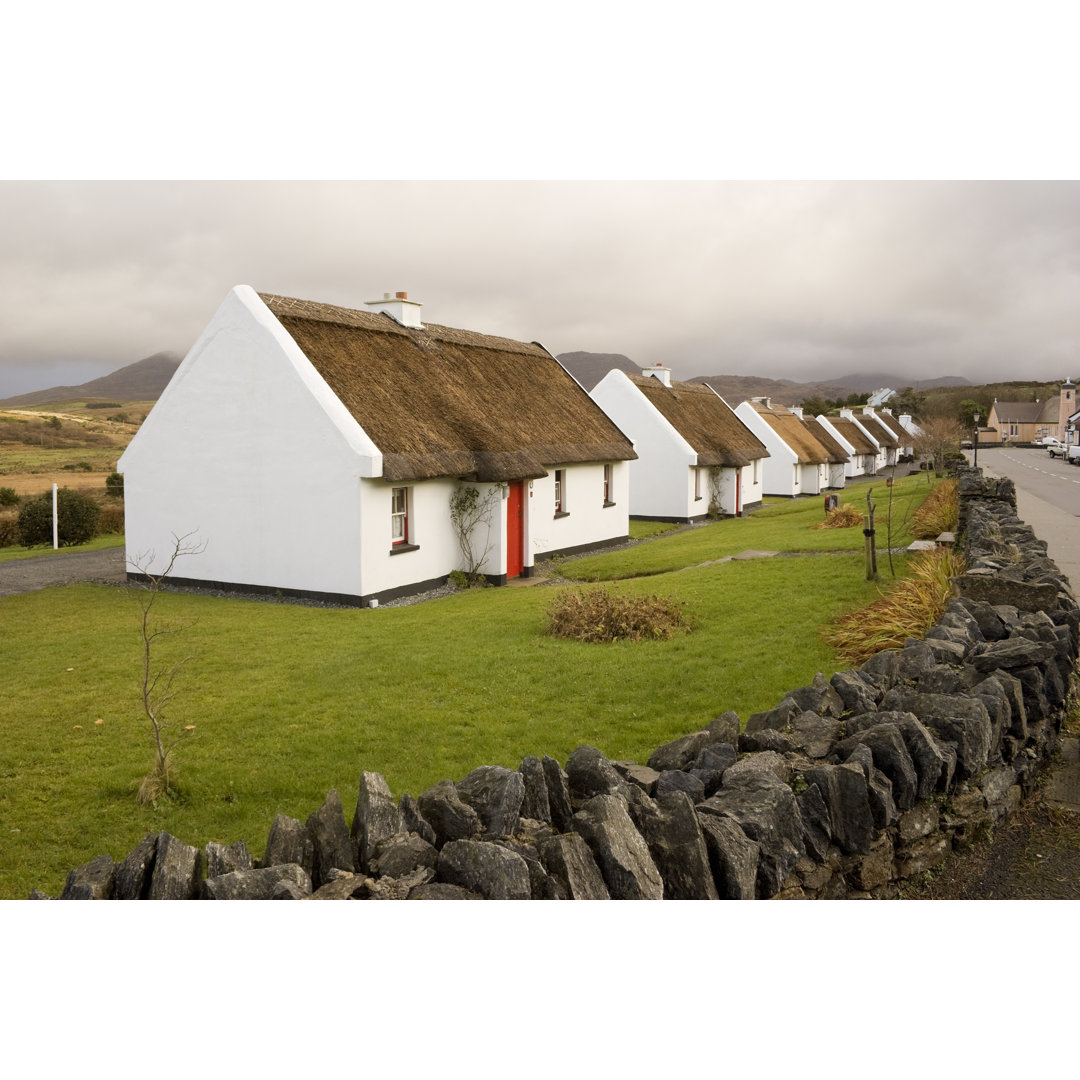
(400, 549)
(562, 513)
(607, 504)
(698, 498)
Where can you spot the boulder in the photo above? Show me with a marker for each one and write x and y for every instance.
(535, 804)
(94, 880)
(289, 842)
(447, 814)
(589, 773)
(224, 860)
(680, 753)
(259, 884)
(331, 843)
(878, 788)
(375, 819)
(569, 862)
(496, 794)
(779, 717)
(342, 885)
(820, 698)
(619, 849)
(671, 780)
(886, 743)
(177, 870)
(677, 845)
(817, 826)
(844, 791)
(439, 890)
(640, 775)
(133, 876)
(765, 809)
(400, 855)
(399, 888)
(541, 885)
(733, 857)
(558, 790)
(765, 761)
(485, 868)
(857, 694)
(412, 821)
(813, 734)
(751, 742)
(962, 721)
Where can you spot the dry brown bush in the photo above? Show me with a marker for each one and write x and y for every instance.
(601, 615)
(939, 512)
(842, 517)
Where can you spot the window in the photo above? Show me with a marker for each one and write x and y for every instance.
(399, 517)
(697, 484)
(560, 493)
(609, 488)
(757, 463)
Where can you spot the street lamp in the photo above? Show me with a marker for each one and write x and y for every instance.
(977, 419)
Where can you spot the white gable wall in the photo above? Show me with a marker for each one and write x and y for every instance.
(249, 449)
(661, 479)
(587, 520)
(781, 472)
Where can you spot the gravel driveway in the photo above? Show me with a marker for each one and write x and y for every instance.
(98, 567)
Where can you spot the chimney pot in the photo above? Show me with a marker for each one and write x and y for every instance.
(401, 296)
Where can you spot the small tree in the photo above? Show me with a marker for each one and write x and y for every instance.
(940, 438)
(471, 508)
(159, 681)
(114, 485)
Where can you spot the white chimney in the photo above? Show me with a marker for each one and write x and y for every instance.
(659, 372)
(796, 409)
(399, 307)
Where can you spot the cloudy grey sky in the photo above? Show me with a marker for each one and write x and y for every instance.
(784, 279)
(114, 245)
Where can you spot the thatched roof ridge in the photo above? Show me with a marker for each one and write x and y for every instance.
(837, 454)
(438, 401)
(851, 432)
(878, 430)
(796, 434)
(894, 426)
(704, 420)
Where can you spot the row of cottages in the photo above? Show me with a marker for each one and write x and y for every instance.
(313, 450)
(1026, 421)
(694, 456)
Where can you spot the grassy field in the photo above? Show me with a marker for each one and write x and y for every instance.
(288, 702)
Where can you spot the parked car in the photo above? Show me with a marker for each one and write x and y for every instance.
(1072, 455)
(1054, 447)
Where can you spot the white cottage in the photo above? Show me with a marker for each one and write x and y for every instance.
(314, 451)
(694, 456)
(798, 464)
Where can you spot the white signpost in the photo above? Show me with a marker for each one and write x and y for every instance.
(55, 528)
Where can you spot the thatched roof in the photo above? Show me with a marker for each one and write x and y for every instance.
(438, 401)
(795, 433)
(837, 454)
(893, 425)
(848, 430)
(704, 420)
(878, 430)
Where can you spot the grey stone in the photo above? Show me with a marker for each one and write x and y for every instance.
(779, 717)
(376, 818)
(680, 753)
(439, 890)
(922, 855)
(813, 734)
(485, 868)
(764, 761)
(133, 876)
(844, 790)
(177, 870)
(224, 860)
(94, 880)
(996, 783)
(289, 842)
(400, 855)
(412, 821)
(891, 756)
(446, 812)
(765, 809)
(817, 827)
(962, 721)
(640, 775)
(399, 888)
(541, 885)
(997, 589)
(619, 849)
(717, 756)
(342, 885)
(496, 794)
(288, 890)
(914, 660)
(332, 845)
(733, 857)
(672, 831)
(534, 805)
(879, 789)
(921, 820)
(1014, 652)
(855, 692)
(765, 739)
(820, 698)
(257, 884)
(562, 813)
(569, 861)
(676, 780)
(590, 773)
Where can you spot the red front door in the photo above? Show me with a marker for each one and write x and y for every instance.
(515, 528)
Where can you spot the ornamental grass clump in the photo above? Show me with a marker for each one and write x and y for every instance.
(938, 513)
(601, 615)
(907, 610)
(840, 517)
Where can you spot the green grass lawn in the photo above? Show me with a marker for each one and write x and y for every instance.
(9, 554)
(290, 701)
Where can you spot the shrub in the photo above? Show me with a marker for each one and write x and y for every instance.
(842, 517)
(8, 497)
(599, 615)
(111, 520)
(77, 518)
(457, 579)
(9, 531)
(939, 512)
(908, 609)
(114, 485)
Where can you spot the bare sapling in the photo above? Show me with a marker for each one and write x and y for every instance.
(159, 680)
(471, 512)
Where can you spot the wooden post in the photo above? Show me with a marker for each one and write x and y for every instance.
(868, 532)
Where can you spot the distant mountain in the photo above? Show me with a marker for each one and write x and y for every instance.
(590, 367)
(861, 384)
(142, 381)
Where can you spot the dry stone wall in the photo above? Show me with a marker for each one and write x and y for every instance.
(845, 789)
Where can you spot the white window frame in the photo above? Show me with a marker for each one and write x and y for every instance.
(609, 485)
(399, 515)
(560, 492)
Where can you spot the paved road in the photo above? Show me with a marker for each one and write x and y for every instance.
(64, 568)
(1047, 498)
